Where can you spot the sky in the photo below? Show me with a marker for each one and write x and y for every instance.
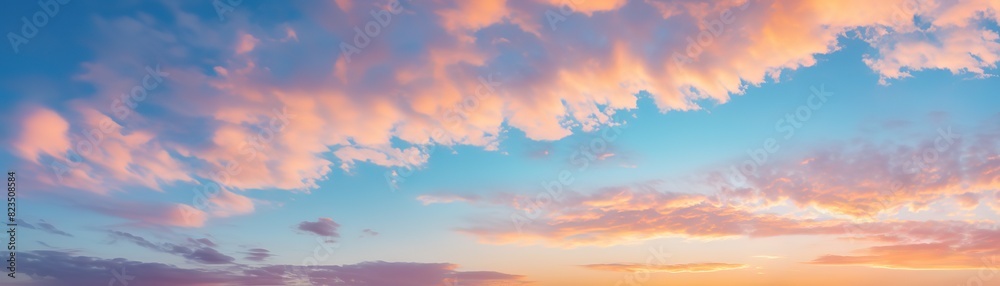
(502, 142)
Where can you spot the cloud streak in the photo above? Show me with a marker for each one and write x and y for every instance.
(669, 268)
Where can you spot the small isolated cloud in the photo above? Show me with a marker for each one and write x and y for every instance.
(324, 227)
(258, 254)
(604, 156)
(446, 198)
(368, 232)
(205, 255)
(669, 268)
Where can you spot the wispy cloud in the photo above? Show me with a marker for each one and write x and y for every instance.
(670, 268)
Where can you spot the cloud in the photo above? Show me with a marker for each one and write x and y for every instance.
(200, 251)
(101, 151)
(912, 256)
(405, 273)
(227, 203)
(612, 216)
(899, 56)
(670, 268)
(446, 87)
(996, 202)
(924, 245)
(246, 44)
(838, 185)
(630, 214)
(42, 243)
(207, 256)
(62, 268)
(968, 200)
(45, 226)
(324, 227)
(43, 132)
(137, 240)
(179, 215)
(864, 179)
(258, 254)
(446, 198)
(369, 232)
(203, 241)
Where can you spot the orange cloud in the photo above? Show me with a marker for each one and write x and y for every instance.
(614, 216)
(915, 256)
(924, 245)
(671, 268)
(473, 70)
(418, 100)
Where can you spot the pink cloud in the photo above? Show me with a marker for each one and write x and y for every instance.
(454, 91)
(246, 43)
(179, 215)
(43, 132)
(968, 200)
(865, 179)
(614, 216)
(227, 203)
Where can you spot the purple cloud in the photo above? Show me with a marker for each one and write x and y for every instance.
(46, 227)
(325, 227)
(195, 250)
(369, 232)
(62, 268)
(203, 241)
(258, 254)
(208, 256)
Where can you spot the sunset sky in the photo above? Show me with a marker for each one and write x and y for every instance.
(503, 142)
